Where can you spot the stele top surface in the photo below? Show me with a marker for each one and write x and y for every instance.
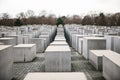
(24, 45)
(59, 42)
(94, 38)
(4, 46)
(57, 48)
(114, 57)
(100, 52)
(5, 38)
(13, 35)
(56, 76)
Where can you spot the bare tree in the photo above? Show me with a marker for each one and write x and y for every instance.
(30, 13)
(5, 16)
(76, 19)
(43, 13)
(117, 15)
(87, 20)
(102, 19)
(51, 19)
(21, 15)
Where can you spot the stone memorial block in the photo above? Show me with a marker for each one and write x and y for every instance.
(40, 46)
(96, 58)
(46, 42)
(56, 76)
(60, 39)
(6, 62)
(59, 43)
(77, 37)
(24, 52)
(80, 45)
(8, 41)
(93, 43)
(47, 38)
(18, 39)
(57, 59)
(111, 66)
(116, 44)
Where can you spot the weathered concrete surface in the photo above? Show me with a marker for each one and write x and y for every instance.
(8, 41)
(24, 52)
(6, 62)
(96, 58)
(18, 39)
(56, 76)
(80, 45)
(110, 42)
(59, 43)
(117, 44)
(111, 66)
(59, 38)
(79, 64)
(57, 59)
(40, 46)
(93, 43)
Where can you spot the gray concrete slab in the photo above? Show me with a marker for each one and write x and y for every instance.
(80, 45)
(93, 43)
(56, 76)
(40, 46)
(18, 39)
(8, 41)
(111, 66)
(57, 59)
(24, 52)
(6, 62)
(116, 44)
(96, 58)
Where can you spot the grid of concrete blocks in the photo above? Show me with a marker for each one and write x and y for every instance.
(20, 44)
(98, 44)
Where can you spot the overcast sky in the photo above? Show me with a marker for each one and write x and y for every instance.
(60, 7)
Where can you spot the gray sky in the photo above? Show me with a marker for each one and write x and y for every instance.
(60, 7)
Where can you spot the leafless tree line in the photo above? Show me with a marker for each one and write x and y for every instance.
(30, 18)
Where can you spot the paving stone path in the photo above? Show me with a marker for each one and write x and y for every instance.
(79, 64)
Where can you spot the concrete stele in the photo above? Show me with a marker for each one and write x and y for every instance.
(111, 66)
(56, 76)
(93, 43)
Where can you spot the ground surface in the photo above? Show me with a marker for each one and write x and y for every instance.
(79, 64)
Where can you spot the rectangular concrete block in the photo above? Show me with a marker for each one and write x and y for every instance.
(111, 66)
(6, 62)
(78, 37)
(71, 36)
(8, 41)
(25, 39)
(46, 42)
(58, 38)
(46, 37)
(40, 46)
(57, 59)
(80, 45)
(110, 42)
(24, 52)
(18, 39)
(116, 44)
(93, 43)
(96, 58)
(56, 76)
(59, 43)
